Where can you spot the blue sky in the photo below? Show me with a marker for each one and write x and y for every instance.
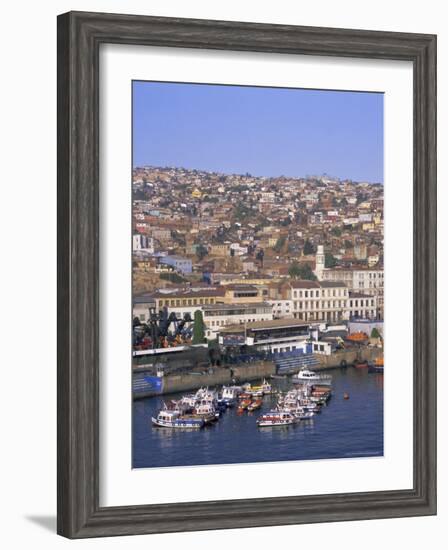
(263, 131)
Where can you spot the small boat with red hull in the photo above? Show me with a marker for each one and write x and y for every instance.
(256, 404)
(243, 405)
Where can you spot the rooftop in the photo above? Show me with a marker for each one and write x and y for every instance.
(184, 292)
(240, 287)
(332, 284)
(232, 307)
(261, 325)
(304, 284)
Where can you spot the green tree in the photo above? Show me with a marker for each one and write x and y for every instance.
(279, 244)
(330, 260)
(308, 248)
(361, 197)
(375, 333)
(297, 271)
(294, 271)
(198, 328)
(241, 212)
(172, 277)
(336, 231)
(201, 251)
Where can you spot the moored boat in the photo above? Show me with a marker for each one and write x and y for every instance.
(229, 395)
(174, 419)
(306, 376)
(206, 411)
(243, 405)
(254, 405)
(253, 391)
(276, 418)
(266, 387)
(377, 365)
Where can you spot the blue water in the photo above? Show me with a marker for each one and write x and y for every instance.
(344, 428)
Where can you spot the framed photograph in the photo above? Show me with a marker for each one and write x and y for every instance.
(246, 232)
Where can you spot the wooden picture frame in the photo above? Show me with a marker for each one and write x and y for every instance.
(79, 38)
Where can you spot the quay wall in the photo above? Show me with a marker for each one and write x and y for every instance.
(186, 382)
(218, 376)
(348, 357)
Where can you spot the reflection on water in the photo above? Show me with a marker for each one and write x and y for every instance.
(344, 428)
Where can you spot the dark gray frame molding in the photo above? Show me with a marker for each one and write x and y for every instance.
(79, 38)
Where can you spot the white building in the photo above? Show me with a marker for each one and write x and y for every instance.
(142, 243)
(281, 309)
(368, 281)
(361, 306)
(319, 301)
(320, 262)
(218, 316)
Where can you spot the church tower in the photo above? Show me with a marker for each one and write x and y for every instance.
(320, 262)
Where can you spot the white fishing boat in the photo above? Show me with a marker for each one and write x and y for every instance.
(206, 410)
(189, 400)
(298, 401)
(266, 387)
(204, 394)
(230, 394)
(276, 418)
(174, 419)
(299, 412)
(306, 376)
(304, 415)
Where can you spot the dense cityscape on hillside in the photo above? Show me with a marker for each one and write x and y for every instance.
(204, 238)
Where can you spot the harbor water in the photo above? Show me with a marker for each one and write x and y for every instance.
(344, 428)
